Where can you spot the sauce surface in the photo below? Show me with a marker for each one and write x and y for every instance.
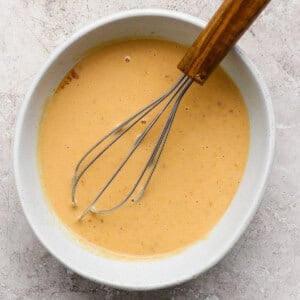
(197, 175)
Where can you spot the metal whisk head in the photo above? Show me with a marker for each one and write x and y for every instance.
(172, 97)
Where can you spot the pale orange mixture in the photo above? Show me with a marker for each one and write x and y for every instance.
(198, 173)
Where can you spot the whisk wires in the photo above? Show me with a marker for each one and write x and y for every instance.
(172, 96)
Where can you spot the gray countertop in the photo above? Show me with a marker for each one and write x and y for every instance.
(264, 264)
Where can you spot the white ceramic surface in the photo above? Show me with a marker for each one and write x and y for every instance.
(199, 257)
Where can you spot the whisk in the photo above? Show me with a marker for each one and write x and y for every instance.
(230, 21)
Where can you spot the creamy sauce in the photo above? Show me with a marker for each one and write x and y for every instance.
(198, 173)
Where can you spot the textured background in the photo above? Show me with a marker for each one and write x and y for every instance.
(265, 263)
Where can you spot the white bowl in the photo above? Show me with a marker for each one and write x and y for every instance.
(158, 273)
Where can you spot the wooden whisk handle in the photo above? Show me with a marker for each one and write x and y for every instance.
(227, 25)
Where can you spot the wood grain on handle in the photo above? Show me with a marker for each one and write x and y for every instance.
(227, 25)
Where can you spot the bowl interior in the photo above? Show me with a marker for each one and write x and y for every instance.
(199, 257)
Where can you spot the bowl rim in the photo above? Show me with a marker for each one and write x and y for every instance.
(266, 170)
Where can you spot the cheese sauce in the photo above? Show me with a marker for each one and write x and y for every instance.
(197, 175)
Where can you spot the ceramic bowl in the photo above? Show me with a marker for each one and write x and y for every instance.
(170, 270)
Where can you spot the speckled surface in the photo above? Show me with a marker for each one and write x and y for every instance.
(264, 264)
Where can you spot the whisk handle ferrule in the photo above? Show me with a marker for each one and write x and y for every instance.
(227, 25)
